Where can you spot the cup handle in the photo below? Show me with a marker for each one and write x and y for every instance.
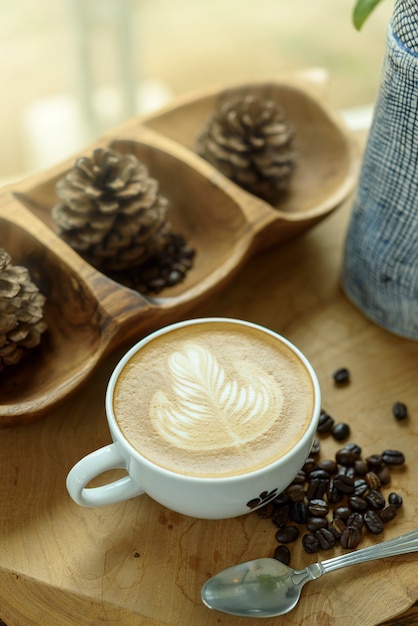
(91, 466)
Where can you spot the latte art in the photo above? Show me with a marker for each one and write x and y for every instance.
(214, 398)
(211, 408)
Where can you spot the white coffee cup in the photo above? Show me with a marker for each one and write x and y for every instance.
(200, 496)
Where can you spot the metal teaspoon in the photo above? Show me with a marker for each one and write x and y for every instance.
(266, 587)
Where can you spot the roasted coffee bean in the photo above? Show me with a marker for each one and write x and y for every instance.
(317, 488)
(341, 376)
(343, 512)
(266, 511)
(393, 457)
(357, 503)
(375, 499)
(328, 465)
(333, 495)
(344, 483)
(325, 537)
(310, 465)
(337, 527)
(373, 480)
(355, 519)
(282, 554)
(374, 461)
(318, 507)
(350, 538)
(373, 522)
(287, 534)
(340, 431)
(282, 498)
(299, 512)
(300, 478)
(310, 543)
(348, 472)
(345, 457)
(361, 468)
(316, 448)
(325, 423)
(315, 523)
(360, 487)
(388, 513)
(384, 475)
(296, 493)
(400, 411)
(354, 448)
(319, 473)
(280, 515)
(396, 499)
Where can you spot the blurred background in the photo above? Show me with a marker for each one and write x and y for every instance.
(72, 69)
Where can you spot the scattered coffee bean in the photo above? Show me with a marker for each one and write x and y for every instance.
(280, 515)
(400, 411)
(361, 467)
(374, 461)
(388, 513)
(325, 423)
(296, 493)
(373, 522)
(328, 465)
(287, 534)
(337, 527)
(384, 475)
(310, 543)
(354, 448)
(282, 554)
(340, 431)
(342, 512)
(315, 523)
(333, 494)
(357, 503)
(345, 457)
(360, 487)
(396, 499)
(350, 538)
(299, 512)
(341, 376)
(281, 498)
(325, 537)
(375, 499)
(373, 480)
(318, 507)
(344, 483)
(265, 511)
(355, 519)
(310, 465)
(317, 488)
(393, 457)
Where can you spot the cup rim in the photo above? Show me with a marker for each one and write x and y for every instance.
(115, 429)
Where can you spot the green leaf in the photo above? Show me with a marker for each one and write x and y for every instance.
(362, 10)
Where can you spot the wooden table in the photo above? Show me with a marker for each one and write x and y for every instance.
(138, 563)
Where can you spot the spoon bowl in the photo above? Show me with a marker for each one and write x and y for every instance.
(266, 587)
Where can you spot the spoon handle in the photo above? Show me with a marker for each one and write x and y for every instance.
(400, 545)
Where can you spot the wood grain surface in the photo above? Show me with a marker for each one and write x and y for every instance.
(136, 562)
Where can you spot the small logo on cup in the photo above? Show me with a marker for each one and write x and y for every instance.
(263, 498)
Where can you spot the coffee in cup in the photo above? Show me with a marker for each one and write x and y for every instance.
(213, 399)
(210, 417)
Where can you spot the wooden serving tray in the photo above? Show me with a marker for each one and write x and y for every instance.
(137, 563)
(88, 314)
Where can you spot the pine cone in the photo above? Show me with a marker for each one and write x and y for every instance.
(21, 312)
(250, 141)
(112, 212)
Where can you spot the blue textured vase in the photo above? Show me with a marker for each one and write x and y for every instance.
(380, 266)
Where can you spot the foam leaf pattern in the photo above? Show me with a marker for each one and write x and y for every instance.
(211, 406)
